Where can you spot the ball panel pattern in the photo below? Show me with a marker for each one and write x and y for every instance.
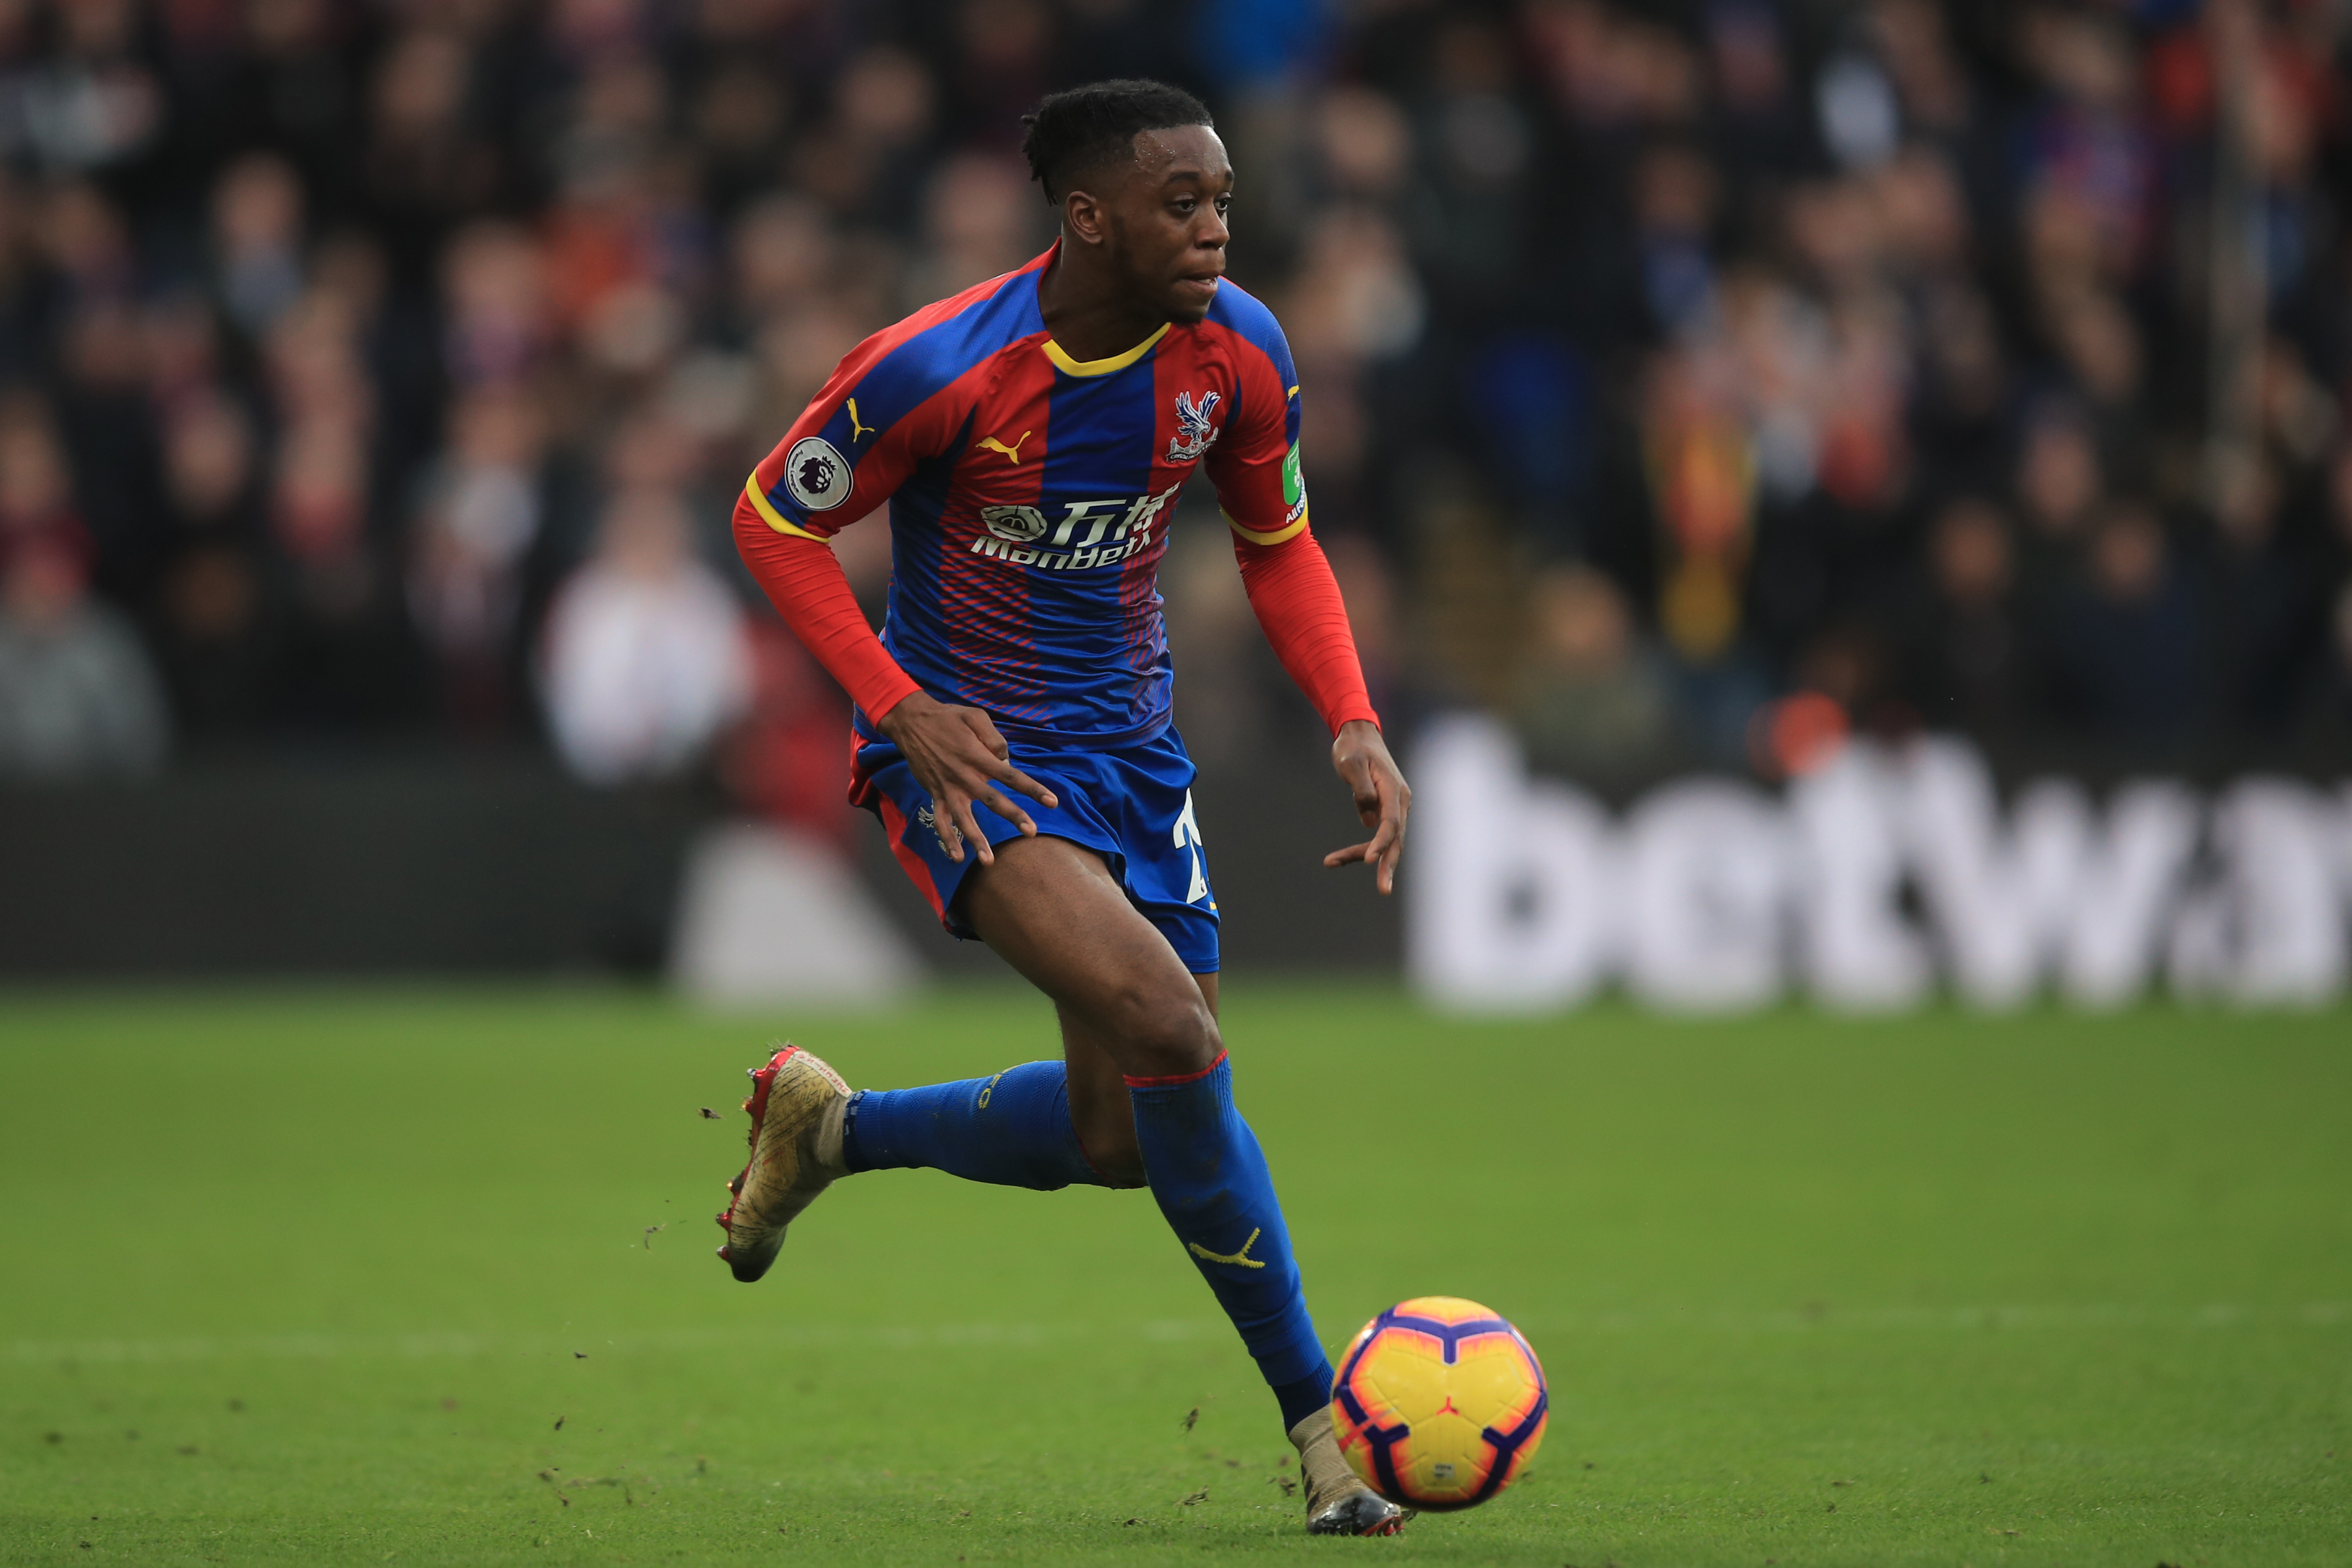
(1439, 1403)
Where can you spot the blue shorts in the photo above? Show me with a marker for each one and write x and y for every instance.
(1133, 806)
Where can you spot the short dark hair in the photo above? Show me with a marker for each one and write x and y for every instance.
(1075, 131)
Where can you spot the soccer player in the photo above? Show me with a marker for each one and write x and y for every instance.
(1030, 435)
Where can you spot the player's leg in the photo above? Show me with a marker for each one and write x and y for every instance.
(1034, 1125)
(1010, 1129)
(809, 1129)
(1043, 1124)
(1052, 910)
(1099, 1105)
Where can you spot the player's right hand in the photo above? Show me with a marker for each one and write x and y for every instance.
(959, 757)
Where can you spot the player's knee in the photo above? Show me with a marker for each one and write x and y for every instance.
(1165, 1031)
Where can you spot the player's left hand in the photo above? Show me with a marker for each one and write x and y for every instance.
(1360, 757)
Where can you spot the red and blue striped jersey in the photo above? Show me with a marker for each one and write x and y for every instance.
(1030, 494)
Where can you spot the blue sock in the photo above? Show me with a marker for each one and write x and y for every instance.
(1303, 1396)
(1012, 1130)
(1210, 1181)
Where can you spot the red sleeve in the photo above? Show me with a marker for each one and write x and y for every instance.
(805, 582)
(1296, 598)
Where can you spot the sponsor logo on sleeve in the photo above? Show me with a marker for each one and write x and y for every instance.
(816, 474)
(1294, 488)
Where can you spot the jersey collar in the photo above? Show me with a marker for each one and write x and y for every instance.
(1070, 367)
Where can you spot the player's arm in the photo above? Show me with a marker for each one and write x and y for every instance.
(830, 470)
(1296, 601)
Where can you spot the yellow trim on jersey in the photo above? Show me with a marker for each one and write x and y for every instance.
(1291, 393)
(1070, 367)
(771, 517)
(1278, 536)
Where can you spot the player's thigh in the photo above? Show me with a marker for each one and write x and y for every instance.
(1051, 909)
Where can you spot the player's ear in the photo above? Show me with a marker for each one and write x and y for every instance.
(1084, 218)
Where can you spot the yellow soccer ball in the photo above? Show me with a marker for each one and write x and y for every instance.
(1438, 1403)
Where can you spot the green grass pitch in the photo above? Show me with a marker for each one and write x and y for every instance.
(426, 1276)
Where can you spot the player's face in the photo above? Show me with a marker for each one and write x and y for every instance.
(1168, 220)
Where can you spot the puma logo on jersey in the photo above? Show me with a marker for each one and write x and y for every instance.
(1013, 451)
(855, 429)
(1242, 1257)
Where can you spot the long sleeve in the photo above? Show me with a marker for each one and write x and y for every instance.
(1297, 604)
(806, 584)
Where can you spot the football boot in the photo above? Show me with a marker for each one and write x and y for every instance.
(797, 1106)
(1338, 1502)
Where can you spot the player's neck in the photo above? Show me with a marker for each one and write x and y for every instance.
(1088, 314)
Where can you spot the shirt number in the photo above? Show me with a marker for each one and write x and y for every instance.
(1188, 837)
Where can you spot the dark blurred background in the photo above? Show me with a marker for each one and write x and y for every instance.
(1693, 384)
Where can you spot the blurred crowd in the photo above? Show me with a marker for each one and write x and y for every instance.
(1697, 383)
